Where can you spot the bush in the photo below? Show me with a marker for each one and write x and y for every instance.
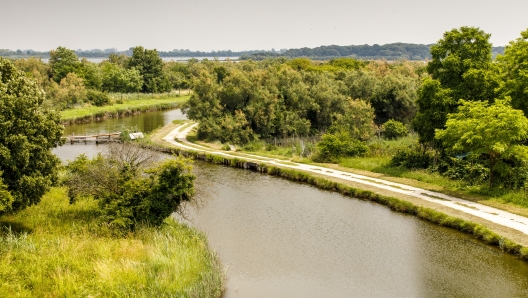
(472, 170)
(130, 185)
(332, 147)
(97, 98)
(393, 129)
(412, 158)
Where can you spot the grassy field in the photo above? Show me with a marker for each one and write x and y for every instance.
(56, 249)
(128, 106)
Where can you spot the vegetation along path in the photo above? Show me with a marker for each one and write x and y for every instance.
(178, 135)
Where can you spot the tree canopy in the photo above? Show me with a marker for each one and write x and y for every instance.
(150, 67)
(514, 64)
(461, 68)
(27, 133)
(496, 131)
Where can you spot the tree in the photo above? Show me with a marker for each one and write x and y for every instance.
(62, 62)
(68, 93)
(434, 103)
(150, 67)
(90, 73)
(394, 98)
(121, 80)
(131, 185)
(515, 72)
(357, 120)
(461, 62)
(461, 68)
(27, 134)
(494, 131)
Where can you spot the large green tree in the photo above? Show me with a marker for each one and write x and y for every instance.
(150, 66)
(495, 131)
(27, 134)
(62, 62)
(461, 68)
(515, 72)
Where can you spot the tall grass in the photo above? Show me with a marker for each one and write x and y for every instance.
(132, 106)
(56, 249)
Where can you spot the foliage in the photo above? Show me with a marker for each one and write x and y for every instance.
(412, 158)
(241, 102)
(91, 74)
(56, 249)
(514, 64)
(130, 186)
(119, 79)
(394, 98)
(461, 68)
(434, 103)
(62, 62)
(495, 131)
(97, 98)
(27, 133)
(338, 144)
(150, 67)
(357, 121)
(393, 129)
(69, 93)
(460, 61)
(36, 69)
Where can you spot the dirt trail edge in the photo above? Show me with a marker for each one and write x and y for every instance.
(178, 135)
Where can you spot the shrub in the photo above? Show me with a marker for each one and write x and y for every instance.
(393, 129)
(332, 147)
(412, 158)
(130, 185)
(97, 98)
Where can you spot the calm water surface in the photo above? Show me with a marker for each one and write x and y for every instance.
(282, 239)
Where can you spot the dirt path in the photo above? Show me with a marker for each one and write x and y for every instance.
(494, 215)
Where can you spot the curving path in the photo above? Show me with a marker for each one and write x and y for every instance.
(520, 223)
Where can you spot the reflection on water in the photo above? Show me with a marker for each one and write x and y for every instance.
(283, 239)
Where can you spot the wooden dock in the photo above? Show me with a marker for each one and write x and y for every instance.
(97, 139)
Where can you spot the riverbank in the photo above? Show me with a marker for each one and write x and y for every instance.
(55, 249)
(493, 226)
(129, 107)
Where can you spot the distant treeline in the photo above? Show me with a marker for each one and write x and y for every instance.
(106, 53)
(393, 51)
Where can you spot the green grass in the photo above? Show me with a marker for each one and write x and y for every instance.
(55, 249)
(127, 107)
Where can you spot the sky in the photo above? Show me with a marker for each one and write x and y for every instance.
(200, 25)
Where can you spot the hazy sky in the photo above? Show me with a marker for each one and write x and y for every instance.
(248, 25)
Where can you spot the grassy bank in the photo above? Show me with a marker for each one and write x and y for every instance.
(127, 107)
(55, 249)
(377, 164)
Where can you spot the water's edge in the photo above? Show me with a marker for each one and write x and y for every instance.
(479, 231)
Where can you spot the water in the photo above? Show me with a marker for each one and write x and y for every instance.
(282, 239)
(145, 122)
